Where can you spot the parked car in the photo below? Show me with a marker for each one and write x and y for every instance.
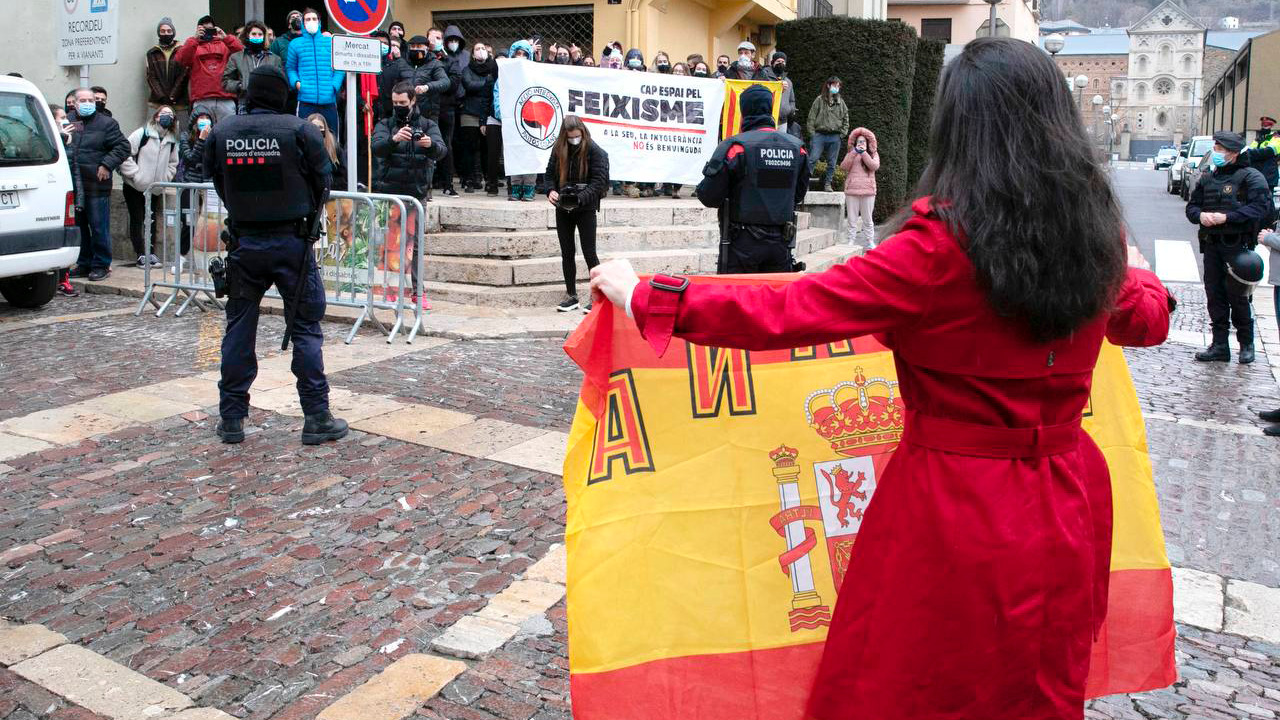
(1173, 184)
(1165, 157)
(1201, 145)
(38, 233)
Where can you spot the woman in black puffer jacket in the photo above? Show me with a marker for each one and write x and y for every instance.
(191, 170)
(577, 178)
(477, 105)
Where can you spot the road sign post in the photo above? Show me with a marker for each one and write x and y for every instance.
(355, 55)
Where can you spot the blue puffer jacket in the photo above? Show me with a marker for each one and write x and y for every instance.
(309, 61)
(524, 45)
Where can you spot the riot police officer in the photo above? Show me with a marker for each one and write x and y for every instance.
(756, 178)
(272, 173)
(1230, 205)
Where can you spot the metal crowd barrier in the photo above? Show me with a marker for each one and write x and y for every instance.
(353, 264)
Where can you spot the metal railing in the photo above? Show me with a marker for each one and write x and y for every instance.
(357, 266)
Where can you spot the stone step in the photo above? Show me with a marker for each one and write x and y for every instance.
(481, 214)
(543, 243)
(690, 258)
(549, 294)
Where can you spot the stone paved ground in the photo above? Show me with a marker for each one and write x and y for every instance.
(270, 579)
(21, 699)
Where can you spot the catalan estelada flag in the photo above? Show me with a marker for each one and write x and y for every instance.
(714, 500)
(731, 115)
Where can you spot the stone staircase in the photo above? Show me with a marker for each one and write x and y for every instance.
(493, 252)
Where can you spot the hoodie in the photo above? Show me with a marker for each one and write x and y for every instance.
(636, 54)
(454, 64)
(860, 177)
(524, 45)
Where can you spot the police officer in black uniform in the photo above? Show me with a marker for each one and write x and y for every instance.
(1230, 204)
(756, 178)
(272, 172)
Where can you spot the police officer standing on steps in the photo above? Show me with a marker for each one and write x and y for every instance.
(756, 178)
(272, 172)
(1230, 205)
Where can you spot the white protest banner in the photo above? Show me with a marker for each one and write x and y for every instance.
(86, 31)
(656, 128)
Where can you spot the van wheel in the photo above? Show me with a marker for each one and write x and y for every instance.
(29, 291)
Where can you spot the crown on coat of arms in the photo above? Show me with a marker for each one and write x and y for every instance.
(784, 456)
(857, 416)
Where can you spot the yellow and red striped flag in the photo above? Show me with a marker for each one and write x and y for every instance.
(731, 115)
(692, 478)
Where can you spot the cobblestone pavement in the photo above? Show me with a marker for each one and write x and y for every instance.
(269, 579)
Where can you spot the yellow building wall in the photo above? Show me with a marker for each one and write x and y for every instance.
(679, 27)
(1264, 92)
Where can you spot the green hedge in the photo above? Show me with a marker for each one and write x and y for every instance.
(924, 92)
(875, 60)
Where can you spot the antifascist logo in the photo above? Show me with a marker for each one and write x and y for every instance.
(539, 115)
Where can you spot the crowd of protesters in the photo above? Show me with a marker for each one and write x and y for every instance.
(435, 120)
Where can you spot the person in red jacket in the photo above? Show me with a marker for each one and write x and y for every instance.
(205, 56)
(980, 574)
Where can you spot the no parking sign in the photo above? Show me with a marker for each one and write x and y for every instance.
(358, 17)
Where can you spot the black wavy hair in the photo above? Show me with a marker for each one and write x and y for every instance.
(1017, 179)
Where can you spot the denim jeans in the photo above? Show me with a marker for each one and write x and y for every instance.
(824, 146)
(330, 113)
(94, 220)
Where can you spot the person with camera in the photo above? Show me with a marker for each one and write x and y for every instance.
(205, 56)
(577, 178)
(1230, 204)
(406, 146)
(755, 179)
(272, 173)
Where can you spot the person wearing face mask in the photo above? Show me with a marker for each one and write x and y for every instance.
(455, 58)
(610, 58)
(293, 25)
(255, 54)
(153, 158)
(588, 61)
(746, 67)
(477, 105)
(577, 178)
(662, 63)
(100, 100)
(700, 69)
(205, 56)
(635, 63)
(777, 71)
(829, 121)
(722, 66)
(309, 64)
(1231, 205)
(407, 147)
(1264, 151)
(166, 77)
(427, 74)
(100, 149)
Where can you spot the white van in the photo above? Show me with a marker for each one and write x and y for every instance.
(38, 233)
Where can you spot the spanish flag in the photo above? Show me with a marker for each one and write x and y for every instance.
(731, 115)
(708, 523)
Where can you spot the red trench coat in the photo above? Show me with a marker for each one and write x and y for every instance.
(980, 574)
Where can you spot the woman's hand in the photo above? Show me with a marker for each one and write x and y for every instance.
(615, 280)
(554, 197)
(1136, 259)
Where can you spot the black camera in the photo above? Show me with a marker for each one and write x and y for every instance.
(218, 271)
(571, 197)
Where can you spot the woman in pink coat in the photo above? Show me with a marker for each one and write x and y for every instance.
(860, 165)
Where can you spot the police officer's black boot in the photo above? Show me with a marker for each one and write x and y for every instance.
(322, 427)
(1246, 353)
(231, 430)
(1218, 350)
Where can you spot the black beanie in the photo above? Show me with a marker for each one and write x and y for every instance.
(268, 89)
(756, 100)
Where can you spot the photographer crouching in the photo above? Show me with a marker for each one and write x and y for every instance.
(406, 146)
(577, 178)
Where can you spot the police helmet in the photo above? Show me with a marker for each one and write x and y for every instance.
(1244, 271)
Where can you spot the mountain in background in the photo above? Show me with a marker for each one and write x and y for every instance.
(1123, 13)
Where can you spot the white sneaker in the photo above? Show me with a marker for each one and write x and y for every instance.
(142, 261)
(155, 261)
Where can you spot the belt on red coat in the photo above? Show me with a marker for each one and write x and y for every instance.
(962, 438)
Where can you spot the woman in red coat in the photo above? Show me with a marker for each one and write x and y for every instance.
(980, 575)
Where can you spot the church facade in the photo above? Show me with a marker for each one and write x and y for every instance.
(1162, 92)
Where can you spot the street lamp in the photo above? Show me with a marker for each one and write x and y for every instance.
(1097, 103)
(1081, 82)
(1054, 43)
(1111, 134)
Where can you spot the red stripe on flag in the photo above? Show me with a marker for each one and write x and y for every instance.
(1134, 651)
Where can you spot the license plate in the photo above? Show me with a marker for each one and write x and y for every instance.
(9, 200)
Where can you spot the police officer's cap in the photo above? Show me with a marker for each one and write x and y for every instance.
(756, 100)
(1231, 142)
(268, 88)
(1267, 118)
